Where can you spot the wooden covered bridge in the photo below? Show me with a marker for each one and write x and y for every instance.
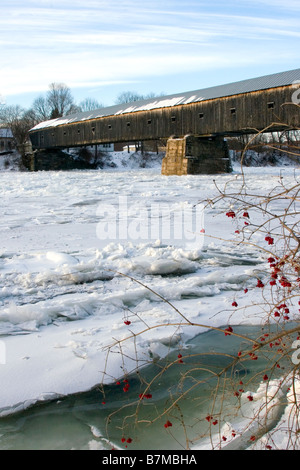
(195, 123)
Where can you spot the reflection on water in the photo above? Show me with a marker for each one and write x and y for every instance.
(100, 419)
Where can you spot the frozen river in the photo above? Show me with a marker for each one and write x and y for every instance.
(77, 250)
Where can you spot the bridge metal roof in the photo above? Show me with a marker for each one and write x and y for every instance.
(220, 91)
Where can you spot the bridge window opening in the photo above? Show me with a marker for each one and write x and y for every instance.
(149, 121)
(78, 131)
(173, 118)
(128, 124)
(93, 130)
(271, 105)
(233, 111)
(201, 115)
(110, 127)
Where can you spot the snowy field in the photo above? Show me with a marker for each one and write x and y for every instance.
(64, 257)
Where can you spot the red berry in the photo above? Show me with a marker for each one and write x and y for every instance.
(270, 240)
(230, 214)
(228, 331)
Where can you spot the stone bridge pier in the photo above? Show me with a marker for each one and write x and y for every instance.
(192, 155)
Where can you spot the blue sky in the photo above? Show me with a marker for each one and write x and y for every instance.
(100, 48)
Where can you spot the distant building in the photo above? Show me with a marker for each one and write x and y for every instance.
(130, 148)
(7, 141)
(154, 146)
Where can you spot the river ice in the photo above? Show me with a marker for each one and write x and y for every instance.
(71, 278)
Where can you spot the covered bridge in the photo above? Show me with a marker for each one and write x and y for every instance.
(195, 123)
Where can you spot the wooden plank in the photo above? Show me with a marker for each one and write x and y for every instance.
(225, 116)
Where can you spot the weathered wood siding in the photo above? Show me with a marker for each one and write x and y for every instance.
(243, 113)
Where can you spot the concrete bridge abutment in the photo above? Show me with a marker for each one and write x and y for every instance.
(192, 155)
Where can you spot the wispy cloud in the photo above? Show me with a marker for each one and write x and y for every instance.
(287, 6)
(96, 42)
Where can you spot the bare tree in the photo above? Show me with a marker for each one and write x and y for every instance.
(154, 95)
(60, 100)
(128, 97)
(132, 96)
(18, 120)
(41, 109)
(89, 104)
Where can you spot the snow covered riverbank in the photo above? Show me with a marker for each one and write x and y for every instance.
(62, 301)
